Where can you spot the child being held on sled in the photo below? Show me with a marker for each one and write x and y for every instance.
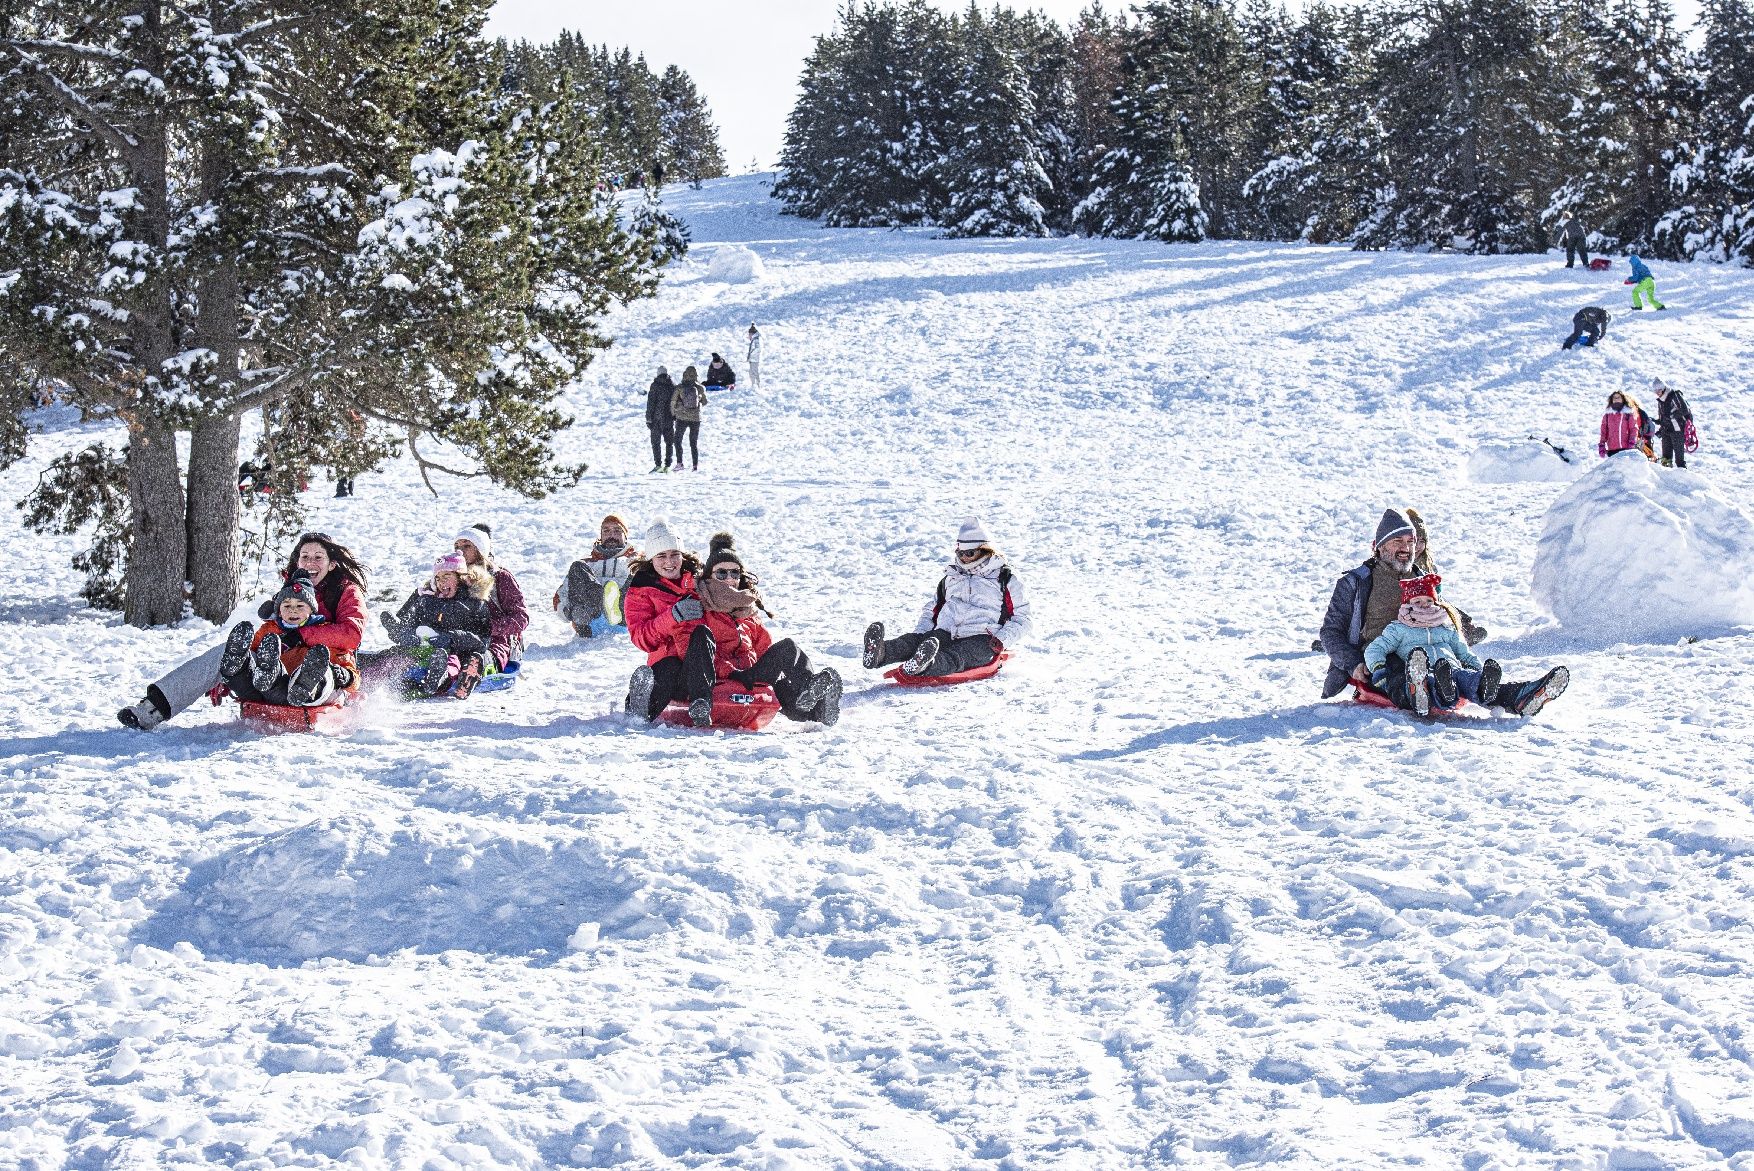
(584, 594)
(449, 615)
(274, 664)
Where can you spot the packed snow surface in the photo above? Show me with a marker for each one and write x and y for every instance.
(1141, 900)
(1524, 461)
(1634, 551)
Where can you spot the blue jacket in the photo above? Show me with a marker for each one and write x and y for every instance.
(1639, 271)
(1440, 642)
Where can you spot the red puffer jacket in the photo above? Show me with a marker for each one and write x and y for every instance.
(1620, 430)
(646, 606)
(737, 642)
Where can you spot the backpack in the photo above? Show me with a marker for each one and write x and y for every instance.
(1006, 609)
(690, 396)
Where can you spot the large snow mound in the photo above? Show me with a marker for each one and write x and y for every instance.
(734, 264)
(1520, 462)
(1635, 552)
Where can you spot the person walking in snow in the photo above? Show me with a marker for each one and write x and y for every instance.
(976, 612)
(1571, 233)
(1644, 284)
(662, 611)
(444, 626)
(506, 614)
(340, 586)
(584, 593)
(719, 375)
(1589, 325)
(282, 662)
(660, 422)
(686, 403)
(1673, 418)
(754, 356)
(731, 644)
(1625, 427)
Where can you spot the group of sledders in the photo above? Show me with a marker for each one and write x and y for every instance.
(710, 659)
(1389, 634)
(464, 625)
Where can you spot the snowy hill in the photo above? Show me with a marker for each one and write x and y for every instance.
(1141, 901)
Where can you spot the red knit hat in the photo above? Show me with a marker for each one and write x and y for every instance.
(1420, 587)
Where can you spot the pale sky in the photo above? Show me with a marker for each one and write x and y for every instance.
(744, 57)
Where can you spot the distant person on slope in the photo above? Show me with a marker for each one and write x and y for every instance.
(1644, 284)
(686, 403)
(719, 375)
(1589, 325)
(584, 595)
(660, 422)
(732, 644)
(1572, 234)
(754, 356)
(662, 611)
(1673, 418)
(506, 613)
(976, 612)
(1625, 427)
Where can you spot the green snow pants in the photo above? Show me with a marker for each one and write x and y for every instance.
(1646, 288)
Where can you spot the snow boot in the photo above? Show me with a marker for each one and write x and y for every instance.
(1444, 689)
(639, 693)
(1418, 672)
(148, 714)
(468, 676)
(309, 684)
(828, 711)
(1532, 697)
(922, 658)
(873, 646)
(237, 650)
(439, 669)
(813, 693)
(265, 668)
(700, 713)
(1490, 675)
(612, 604)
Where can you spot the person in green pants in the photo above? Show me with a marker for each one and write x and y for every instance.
(1644, 284)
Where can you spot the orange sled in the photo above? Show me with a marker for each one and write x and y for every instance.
(735, 708)
(984, 672)
(275, 717)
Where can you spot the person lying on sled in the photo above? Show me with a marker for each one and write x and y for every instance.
(275, 664)
(976, 612)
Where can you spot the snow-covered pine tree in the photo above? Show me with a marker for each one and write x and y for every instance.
(691, 141)
(808, 151)
(206, 208)
(663, 233)
(992, 168)
(1713, 178)
(1094, 78)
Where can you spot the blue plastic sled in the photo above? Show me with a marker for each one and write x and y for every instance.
(498, 681)
(601, 627)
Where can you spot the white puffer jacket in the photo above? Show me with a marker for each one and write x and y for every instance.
(973, 601)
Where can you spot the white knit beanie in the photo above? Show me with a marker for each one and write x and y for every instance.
(478, 538)
(971, 536)
(660, 539)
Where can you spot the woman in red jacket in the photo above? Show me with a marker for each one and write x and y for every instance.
(1624, 426)
(662, 611)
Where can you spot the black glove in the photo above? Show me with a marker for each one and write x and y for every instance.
(687, 610)
(293, 637)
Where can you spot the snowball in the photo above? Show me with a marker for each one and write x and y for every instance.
(1521, 462)
(734, 264)
(1637, 552)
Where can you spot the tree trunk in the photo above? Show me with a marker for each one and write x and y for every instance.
(213, 517)
(157, 554)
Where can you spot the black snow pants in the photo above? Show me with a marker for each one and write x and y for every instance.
(786, 669)
(664, 451)
(690, 428)
(954, 654)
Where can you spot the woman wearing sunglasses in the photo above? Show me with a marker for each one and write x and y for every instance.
(662, 611)
(732, 644)
(976, 612)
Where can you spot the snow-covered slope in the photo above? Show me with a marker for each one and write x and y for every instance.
(1140, 901)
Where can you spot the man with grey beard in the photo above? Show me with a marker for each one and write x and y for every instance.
(1366, 600)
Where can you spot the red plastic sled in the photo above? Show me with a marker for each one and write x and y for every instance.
(903, 679)
(1371, 697)
(274, 717)
(1600, 264)
(735, 708)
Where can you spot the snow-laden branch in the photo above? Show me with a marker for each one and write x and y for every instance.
(64, 94)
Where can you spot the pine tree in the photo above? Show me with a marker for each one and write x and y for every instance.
(993, 170)
(691, 141)
(1714, 174)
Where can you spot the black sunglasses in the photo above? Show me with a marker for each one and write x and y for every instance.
(727, 574)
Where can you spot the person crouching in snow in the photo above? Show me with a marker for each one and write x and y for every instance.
(584, 595)
(1589, 325)
(1644, 284)
(274, 663)
(1625, 426)
(662, 611)
(449, 615)
(976, 612)
(732, 644)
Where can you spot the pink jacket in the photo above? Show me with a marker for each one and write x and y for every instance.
(1620, 430)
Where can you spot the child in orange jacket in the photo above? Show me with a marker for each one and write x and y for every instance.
(273, 664)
